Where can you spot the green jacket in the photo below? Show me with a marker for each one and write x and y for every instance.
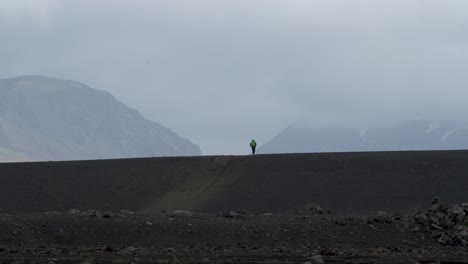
(253, 144)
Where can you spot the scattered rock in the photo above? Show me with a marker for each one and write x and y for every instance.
(232, 214)
(318, 259)
(90, 213)
(74, 211)
(382, 217)
(396, 217)
(239, 214)
(444, 239)
(108, 215)
(148, 223)
(97, 214)
(447, 223)
(421, 219)
(182, 213)
(52, 213)
(313, 209)
(244, 212)
(457, 213)
(108, 249)
(340, 222)
(126, 212)
(130, 249)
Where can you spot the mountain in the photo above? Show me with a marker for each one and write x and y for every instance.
(44, 118)
(413, 135)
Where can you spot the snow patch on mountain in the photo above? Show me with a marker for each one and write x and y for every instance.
(447, 134)
(362, 134)
(432, 127)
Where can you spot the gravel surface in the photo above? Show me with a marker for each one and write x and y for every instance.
(309, 236)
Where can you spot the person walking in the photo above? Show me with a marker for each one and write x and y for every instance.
(253, 145)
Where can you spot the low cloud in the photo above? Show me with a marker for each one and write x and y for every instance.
(221, 72)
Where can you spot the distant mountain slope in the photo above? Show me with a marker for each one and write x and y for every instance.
(44, 118)
(414, 135)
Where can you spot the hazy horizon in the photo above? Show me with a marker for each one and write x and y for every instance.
(223, 72)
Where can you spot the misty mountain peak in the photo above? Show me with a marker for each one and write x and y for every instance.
(411, 135)
(44, 118)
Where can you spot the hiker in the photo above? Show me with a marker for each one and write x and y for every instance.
(253, 145)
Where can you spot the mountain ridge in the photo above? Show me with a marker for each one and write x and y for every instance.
(410, 135)
(44, 118)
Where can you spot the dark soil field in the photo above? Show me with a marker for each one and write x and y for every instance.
(377, 208)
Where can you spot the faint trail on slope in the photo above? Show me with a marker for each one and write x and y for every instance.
(195, 189)
(218, 177)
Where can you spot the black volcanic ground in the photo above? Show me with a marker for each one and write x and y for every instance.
(238, 209)
(340, 182)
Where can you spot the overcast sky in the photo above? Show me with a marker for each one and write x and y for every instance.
(223, 72)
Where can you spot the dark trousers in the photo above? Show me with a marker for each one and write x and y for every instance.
(253, 150)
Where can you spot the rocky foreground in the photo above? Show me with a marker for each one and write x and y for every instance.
(313, 235)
